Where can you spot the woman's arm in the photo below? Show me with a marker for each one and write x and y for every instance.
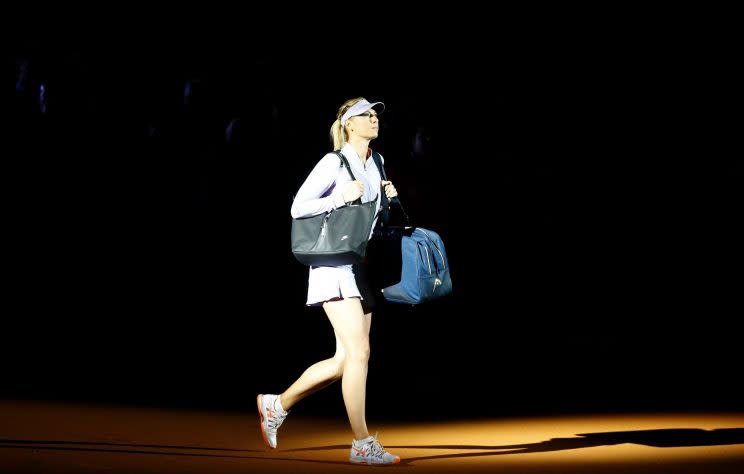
(308, 201)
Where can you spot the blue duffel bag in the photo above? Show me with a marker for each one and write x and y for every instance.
(425, 272)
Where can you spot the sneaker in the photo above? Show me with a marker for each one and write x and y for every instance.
(370, 451)
(271, 419)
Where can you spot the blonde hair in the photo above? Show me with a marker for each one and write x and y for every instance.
(338, 134)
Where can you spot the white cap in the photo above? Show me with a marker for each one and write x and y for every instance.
(359, 108)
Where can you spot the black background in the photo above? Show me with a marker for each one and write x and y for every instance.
(590, 226)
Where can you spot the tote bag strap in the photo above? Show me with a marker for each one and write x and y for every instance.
(345, 163)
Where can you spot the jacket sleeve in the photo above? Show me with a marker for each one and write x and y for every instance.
(313, 197)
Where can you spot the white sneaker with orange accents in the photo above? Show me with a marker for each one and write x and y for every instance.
(370, 451)
(272, 417)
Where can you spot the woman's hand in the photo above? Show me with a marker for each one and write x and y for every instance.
(353, 191)
(390, 190)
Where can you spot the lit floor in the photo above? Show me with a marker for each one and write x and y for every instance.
(54, 438)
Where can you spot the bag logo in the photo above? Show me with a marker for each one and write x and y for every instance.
(437, 282)
(344, 237)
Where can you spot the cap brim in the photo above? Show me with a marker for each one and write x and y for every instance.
(378, 107)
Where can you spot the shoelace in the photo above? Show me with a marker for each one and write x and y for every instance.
(375, 447)
(276, 421)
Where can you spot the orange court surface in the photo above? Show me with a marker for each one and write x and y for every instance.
(56, 437)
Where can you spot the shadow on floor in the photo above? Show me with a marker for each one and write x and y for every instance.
(665, 438)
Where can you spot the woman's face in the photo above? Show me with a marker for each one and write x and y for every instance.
(366, 125)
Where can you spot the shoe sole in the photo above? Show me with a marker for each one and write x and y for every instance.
(263, 429)
(365, 463)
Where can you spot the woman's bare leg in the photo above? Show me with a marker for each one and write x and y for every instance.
(317, 376)
(352, 326)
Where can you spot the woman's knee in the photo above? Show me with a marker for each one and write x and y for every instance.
(359, 352)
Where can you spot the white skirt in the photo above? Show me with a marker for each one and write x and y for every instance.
(325, 283)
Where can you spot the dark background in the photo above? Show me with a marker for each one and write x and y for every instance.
(591, 227)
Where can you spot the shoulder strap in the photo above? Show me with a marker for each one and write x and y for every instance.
(384, 201)
(378, 161)
(345, 162)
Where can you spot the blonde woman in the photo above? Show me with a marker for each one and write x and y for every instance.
(342, 291)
